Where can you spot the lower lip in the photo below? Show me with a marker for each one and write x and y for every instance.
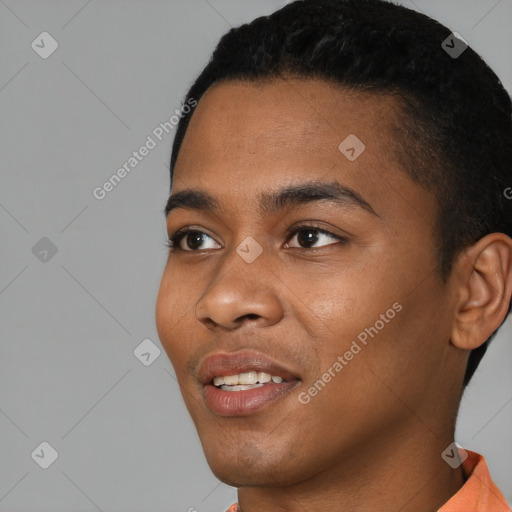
(244, 403)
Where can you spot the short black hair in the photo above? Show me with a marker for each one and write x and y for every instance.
(454, 132)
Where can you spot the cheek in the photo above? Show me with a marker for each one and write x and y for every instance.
(350, 304)
(164, 310)
(370, 319)
(170, 312)
(402, 349)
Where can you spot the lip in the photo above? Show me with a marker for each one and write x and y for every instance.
(233, 363)
(243, 403)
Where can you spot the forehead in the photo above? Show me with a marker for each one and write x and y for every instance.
(247, 137)
(284, 116)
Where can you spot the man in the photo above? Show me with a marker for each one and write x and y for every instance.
(340, 257)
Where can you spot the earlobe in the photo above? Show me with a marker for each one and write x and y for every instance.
(484, 281)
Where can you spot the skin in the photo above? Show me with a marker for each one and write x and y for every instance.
(372, 438)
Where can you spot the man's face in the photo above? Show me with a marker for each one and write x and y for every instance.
(363, 293)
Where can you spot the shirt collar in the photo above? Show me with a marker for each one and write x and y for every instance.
(479, 493)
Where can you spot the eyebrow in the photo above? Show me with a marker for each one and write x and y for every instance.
(273, 202)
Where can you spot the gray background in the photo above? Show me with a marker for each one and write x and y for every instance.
(69, 325)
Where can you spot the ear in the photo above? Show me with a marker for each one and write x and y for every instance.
(483, 277)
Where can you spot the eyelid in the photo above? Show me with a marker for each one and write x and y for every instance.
(313, 226)
(177, 237)
(174, 240)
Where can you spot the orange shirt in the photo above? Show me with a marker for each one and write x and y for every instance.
(478, 494)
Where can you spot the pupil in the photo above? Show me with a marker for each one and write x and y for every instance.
(307, 239)
(197, 237)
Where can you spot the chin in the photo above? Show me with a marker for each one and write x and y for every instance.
(248, 463)
(236, 475)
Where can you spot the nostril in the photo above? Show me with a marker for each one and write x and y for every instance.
(250, 316)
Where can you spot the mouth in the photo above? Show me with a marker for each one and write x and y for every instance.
(242, 383)
(245, 381)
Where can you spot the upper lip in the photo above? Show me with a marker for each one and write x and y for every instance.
(222, 363)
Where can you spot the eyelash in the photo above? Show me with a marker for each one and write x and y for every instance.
(173, 243)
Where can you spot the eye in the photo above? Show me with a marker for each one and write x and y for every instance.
(310, 235)
(307, 236)
(193, 238)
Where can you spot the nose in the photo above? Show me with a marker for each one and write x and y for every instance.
(243, 293)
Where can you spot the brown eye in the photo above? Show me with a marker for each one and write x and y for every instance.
(311, 235)
(193, 240)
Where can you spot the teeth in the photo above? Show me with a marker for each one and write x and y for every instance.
(246, 380)
(241, 387)
(264, 377)
(231, 380)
